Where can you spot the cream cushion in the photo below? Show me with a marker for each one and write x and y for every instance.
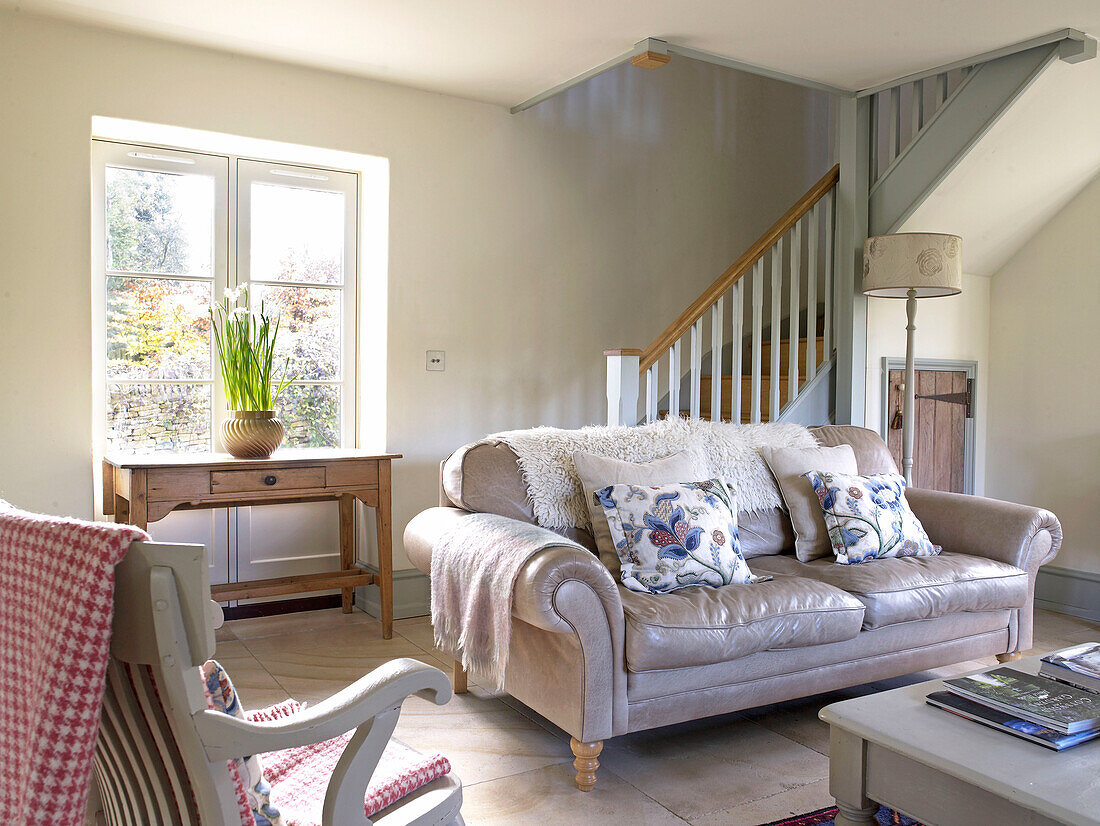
(787, 465)
(597, 472)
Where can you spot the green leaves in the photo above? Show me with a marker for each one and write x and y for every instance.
(246, 353)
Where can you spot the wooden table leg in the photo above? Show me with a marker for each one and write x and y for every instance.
(847, 776)
(385, 547)
(347, 547)
(139, 502)
(121, 510)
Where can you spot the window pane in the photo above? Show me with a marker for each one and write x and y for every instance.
(297, 235)
(157, 328)
(309, 329)
(159, 222)
(158, 417)
(311, 415)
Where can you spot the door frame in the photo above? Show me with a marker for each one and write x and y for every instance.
(969, 425)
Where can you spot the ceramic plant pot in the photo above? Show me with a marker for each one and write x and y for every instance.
(252, 434)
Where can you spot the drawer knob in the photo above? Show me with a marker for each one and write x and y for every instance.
(269, 480)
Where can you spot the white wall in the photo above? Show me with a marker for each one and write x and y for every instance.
(522, 245)
(953, 327)
(1044, 405)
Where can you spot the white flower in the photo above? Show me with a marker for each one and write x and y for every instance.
(232, 295)
(240, 311)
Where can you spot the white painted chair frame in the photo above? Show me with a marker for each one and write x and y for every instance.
(161, 753)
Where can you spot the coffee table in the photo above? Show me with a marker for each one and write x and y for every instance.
(893, 748)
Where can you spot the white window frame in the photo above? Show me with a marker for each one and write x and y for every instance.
(230, 266)
(249, 171)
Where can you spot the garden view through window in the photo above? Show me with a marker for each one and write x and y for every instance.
(170, 250)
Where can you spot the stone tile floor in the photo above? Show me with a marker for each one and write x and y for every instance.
(746, 768)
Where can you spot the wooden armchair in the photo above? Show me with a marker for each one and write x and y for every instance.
(161, 755)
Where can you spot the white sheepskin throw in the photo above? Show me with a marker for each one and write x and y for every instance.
(728, 450)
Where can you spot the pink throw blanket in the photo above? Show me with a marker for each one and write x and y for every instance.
(474, 570)
(299, 776)
(56, 602)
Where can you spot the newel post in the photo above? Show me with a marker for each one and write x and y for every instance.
(622, 386)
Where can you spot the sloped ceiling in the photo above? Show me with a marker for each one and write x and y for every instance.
(1032, 163)
(506, 51)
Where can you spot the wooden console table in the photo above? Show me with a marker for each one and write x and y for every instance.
(142, 489)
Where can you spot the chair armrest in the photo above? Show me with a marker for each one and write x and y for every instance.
(1019, 535)
(537, 592)
(225, 737)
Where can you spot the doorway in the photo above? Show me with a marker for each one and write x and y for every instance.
(943, 438)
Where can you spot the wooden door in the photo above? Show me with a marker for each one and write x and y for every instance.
(939, 445)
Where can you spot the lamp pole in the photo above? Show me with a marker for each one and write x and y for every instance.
(910, 388)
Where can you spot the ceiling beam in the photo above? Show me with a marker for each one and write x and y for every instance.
(763, 71)
(659, 47)
(1075, 46)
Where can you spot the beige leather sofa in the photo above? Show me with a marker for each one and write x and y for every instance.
(600, 660)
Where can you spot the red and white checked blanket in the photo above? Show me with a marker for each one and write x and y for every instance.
(56, 601)
(299, 776)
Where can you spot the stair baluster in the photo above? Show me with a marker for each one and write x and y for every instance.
(793, 325)
(716, 344)
(651, 394)
(757, 338)
(811, 297)
(737, 311)
(674, 376)
(777, 320)
(695, 368)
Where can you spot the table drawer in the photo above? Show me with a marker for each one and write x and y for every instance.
(262, 480)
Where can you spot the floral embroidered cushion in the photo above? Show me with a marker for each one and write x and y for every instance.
(246, 771)
(675, 535)
(868, 517)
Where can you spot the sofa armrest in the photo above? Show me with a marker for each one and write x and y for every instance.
(538, 597)
(1019, 535)
(566, 659)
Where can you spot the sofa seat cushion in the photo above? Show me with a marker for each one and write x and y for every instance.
(700, 625)
(903, 589)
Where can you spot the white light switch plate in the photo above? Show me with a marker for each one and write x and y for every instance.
(435, 360)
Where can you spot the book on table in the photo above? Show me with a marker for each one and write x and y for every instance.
(1009, 723)
(1079, 666)
(1049, 703)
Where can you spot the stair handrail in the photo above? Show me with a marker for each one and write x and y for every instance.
(737, 270)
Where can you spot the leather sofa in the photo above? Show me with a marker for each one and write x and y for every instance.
(600, 660)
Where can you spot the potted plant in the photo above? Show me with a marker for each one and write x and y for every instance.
(246, 352)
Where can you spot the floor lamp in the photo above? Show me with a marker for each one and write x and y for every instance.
(911, 265)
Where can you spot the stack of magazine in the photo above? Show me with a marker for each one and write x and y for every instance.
(1058, 708)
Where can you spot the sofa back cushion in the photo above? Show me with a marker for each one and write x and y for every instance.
(485, 477)
(597, 472)
(872, 454)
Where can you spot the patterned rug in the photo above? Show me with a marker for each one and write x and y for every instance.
(826, 817)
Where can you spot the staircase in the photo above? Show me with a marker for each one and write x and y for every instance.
(758, 339)
(752, 354)
(706, 393)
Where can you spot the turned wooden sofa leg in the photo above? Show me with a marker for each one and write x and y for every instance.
(458, 678)
(1010, 657)
(586, 762)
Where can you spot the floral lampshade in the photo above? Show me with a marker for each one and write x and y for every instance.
(928, 262)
